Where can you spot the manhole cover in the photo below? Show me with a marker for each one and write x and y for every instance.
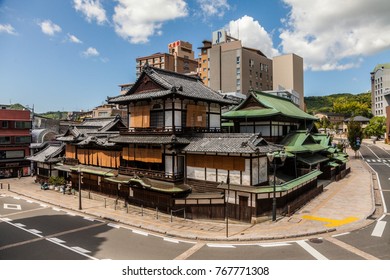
(315, 240)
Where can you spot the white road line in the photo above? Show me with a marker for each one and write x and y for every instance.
(220, 246)
(113, 225)
(89, 219)
(341, 234)
(379, 229)
(140, 232)
(71, 214)
(171, 240)
(57, 240)
(6, 219)
(277, 244)
(56, 209)
(19, 225)
(43, 205)
(311, 250)
(81, 250)
(35, 231)
(29, 201)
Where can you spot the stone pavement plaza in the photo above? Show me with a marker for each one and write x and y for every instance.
(344, 206)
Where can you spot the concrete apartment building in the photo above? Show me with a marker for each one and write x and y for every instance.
(288, 77)
(227, 66)
(380, 89)
(15, 139)
(180, 59)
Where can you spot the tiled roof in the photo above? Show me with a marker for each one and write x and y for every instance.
(300, 141)
(269, 105)
(49, 154)
(90, 126)
(142, 139)
(172, 82)
(230, 143)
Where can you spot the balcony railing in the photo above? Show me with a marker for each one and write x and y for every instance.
(152, 174)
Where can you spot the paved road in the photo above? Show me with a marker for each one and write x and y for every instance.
(31, 230)
(34, 231)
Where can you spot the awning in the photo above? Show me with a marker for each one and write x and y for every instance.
(119, 179)
(94, 170)
(341, 159)
(312, 159)
(333, 164)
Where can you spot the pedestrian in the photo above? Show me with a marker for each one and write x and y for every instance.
(19, 174)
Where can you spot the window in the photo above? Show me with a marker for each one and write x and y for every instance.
(22, 139)
(251, 63)
(22, 125)
(157, 116)
(238, 60)
(5, 140)
(4, 124)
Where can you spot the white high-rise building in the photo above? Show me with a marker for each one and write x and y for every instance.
(380, 89)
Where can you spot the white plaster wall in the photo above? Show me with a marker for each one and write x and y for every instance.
(215, 121)
(195, 173)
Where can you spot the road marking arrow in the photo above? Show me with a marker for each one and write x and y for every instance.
(331, 222)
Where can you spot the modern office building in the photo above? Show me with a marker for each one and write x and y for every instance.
(180, 59)
(227, 66)
(288, 77)
(380, 89)
(15, 139)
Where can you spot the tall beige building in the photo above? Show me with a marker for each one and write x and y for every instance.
(227, 66)
(288, 77)
(180, 59)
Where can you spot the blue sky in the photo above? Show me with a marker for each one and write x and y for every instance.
(71, 54)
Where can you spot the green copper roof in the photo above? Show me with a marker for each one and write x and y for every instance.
(301, 142)
(269, 105)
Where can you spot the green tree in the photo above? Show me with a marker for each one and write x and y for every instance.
(376, 127)
(355, 135)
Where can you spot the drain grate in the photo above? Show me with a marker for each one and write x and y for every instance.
(316, 240)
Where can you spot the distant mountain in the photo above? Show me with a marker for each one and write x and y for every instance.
(344, 103)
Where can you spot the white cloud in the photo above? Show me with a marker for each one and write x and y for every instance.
(74, 39)
(213, 7)
(252, 35)
(91, 52)
(7, 28)
(49, 28)
(137, 20)
(92, 10)
(333, 34)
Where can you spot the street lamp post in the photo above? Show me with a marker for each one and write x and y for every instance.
(227, 206)
(79, 171)
(272, 159)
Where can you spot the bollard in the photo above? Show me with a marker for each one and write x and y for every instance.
(142, 210)
(9, 187)
(171, 216)
(1, 185)
(127, 208)
(156, 213)
(105, 202)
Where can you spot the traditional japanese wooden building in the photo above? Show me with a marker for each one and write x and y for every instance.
(272, 116)
(46, 160)
(90, 154)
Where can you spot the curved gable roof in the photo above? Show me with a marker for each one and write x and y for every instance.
(268, 105)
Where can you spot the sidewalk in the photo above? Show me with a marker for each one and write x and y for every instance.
(344, 206)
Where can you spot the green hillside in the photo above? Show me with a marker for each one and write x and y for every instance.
(344, 103)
